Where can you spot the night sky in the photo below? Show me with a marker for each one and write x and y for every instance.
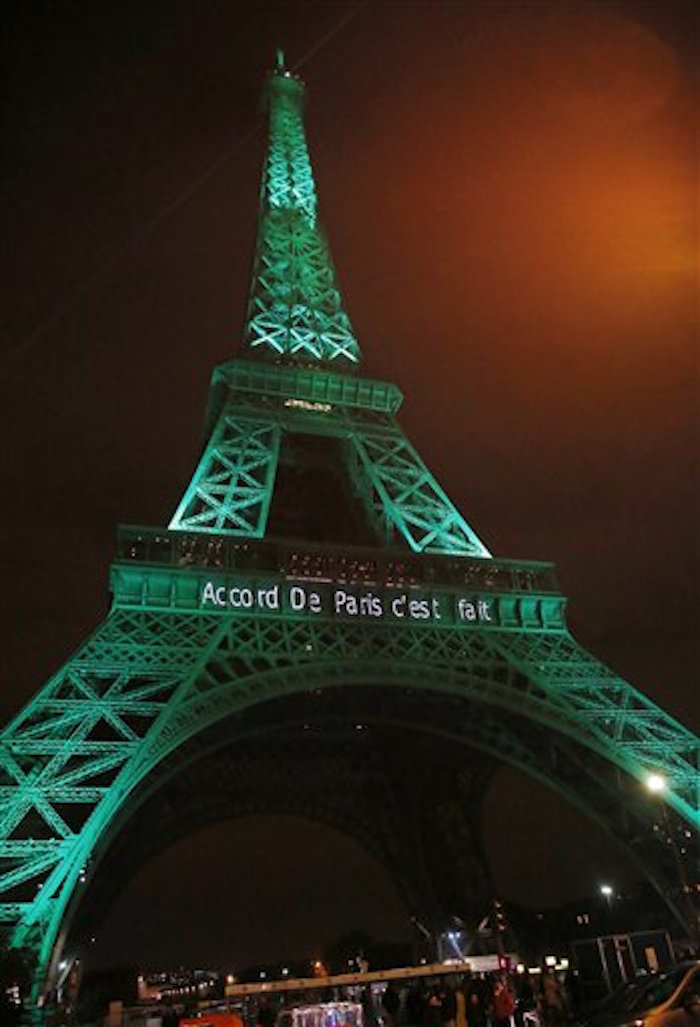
(510, 195)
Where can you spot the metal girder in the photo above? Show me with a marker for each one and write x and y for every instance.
(307, 384)
(295, 307)
(288, 182)
(232, 489)
(232, 486)
(616, 717)
(418, 748)
(221, 664)
(399, 489)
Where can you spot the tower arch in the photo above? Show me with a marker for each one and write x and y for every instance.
(339, 712)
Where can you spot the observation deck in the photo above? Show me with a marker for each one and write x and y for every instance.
(160, 569)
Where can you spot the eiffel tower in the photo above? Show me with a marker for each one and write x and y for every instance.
(318, 600)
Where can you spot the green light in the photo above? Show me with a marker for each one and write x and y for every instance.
(295, 309)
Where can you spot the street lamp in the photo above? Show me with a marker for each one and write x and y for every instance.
(656, 783)
(606, 890)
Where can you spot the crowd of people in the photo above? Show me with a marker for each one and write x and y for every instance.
(470, 1000)
(477, 1000)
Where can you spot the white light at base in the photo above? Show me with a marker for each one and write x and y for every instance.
(656, 783)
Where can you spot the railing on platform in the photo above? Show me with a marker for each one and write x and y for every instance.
(344, 564)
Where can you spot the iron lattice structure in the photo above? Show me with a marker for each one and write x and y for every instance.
(295, 305)
(267, 609)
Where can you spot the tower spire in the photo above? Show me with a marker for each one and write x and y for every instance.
(295, 311)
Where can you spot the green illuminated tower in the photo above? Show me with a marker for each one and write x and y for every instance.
(299, 376)
(317, 585)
